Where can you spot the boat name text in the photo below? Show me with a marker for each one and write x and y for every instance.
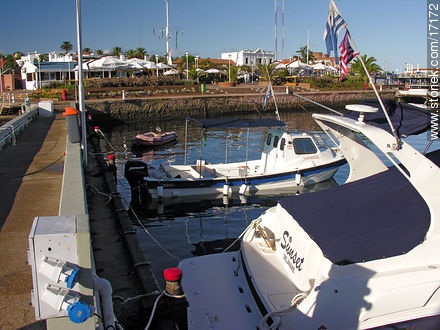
(290, 256)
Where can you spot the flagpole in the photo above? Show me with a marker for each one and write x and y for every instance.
(275, 102)
(393, 130)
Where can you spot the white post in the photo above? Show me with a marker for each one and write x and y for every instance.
(81, 82)
(229, 68)
(157, 61)
(186, 54)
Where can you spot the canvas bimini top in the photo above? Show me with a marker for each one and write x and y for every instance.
(377, 217)
(236, 122)
(407, 119)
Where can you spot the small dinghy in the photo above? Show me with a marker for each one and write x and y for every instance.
(152, 139)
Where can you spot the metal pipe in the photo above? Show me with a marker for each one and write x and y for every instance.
(186, 139)
(201, 144)
(81, 82)
(226, 154)
(247, 149)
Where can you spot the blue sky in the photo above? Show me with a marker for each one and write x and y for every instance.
(393, 31)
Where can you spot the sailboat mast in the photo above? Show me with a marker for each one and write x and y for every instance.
(276, 32)
(282, 30)
(167, 36)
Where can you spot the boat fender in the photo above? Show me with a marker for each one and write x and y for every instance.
(298, 178)
(243, 189)
(226, 189)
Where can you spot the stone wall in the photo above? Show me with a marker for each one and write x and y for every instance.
(212, 106)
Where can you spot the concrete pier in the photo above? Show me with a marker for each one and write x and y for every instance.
(26, 192)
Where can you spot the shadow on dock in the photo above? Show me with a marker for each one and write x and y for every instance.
(15, 161)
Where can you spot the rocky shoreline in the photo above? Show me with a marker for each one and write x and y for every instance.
(213, 105)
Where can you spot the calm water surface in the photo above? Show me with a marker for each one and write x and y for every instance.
(195, 227)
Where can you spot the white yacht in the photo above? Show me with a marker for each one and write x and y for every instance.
(356, 256)
(288, 159)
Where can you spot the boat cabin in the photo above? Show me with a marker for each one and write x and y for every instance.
(283, 149)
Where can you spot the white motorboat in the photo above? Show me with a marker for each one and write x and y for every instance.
(356, 256)
(287, 159)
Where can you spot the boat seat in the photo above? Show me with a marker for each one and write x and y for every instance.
(205, 171)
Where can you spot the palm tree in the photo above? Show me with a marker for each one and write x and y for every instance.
(267, 71)
(130, 53)
(66, 46)
(44, 57)
(302, 52)
(116, 51)
(194, 74)
(87, 50)
(18, 54)
(358, 69)
(232, 72)
(140, 52)
(99, 52)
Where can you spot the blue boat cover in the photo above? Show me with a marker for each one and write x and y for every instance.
(236, 122)
(376, 217)
(407, 119)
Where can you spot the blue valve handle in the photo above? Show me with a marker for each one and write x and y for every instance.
(72, 278)
(78, 312)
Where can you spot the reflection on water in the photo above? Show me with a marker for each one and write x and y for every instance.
(187, 227)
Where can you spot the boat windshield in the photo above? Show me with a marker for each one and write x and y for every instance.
(304, 146)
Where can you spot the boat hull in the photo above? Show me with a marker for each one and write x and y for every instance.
(257, 184)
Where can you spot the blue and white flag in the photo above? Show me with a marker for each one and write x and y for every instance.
(335, 23)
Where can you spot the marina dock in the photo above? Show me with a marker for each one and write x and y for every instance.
(27, 192)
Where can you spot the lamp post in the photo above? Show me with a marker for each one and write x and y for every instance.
(229, 75)
(157, 62)
(39, 72)
(186, 54)
(196, 62)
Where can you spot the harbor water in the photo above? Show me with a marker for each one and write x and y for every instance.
(171, 231)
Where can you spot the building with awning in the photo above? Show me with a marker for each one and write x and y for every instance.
(35, 74)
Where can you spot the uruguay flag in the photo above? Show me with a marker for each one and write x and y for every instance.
(335, 23)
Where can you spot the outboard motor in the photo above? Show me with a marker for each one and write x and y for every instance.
(134, 172)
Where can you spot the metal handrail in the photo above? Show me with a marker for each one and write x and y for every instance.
(9, 130)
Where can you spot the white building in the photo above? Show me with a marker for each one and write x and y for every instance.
(250, 57)
(36, 74)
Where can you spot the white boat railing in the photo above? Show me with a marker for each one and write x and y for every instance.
(9, 130)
